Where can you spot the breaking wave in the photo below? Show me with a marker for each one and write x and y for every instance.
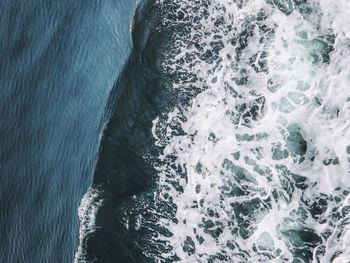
(255, 160)
(250, 152)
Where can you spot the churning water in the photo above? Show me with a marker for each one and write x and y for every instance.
(245, 155)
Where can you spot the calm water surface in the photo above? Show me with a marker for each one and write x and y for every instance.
(59, 61)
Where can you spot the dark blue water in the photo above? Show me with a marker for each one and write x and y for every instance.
(59, 61)
(124, 179)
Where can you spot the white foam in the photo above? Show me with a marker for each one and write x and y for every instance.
(299, 78)
(87, 212)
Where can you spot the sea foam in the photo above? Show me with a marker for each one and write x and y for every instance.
(260, 170)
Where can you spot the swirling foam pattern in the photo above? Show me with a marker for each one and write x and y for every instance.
(255, 155)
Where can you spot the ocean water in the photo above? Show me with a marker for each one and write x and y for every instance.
(59, 61)
(198, 131)
(228, 139)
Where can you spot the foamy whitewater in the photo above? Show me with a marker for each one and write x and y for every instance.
(255, 163)
(262, 163)
(89, 206)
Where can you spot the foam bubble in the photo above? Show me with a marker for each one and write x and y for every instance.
(260, 171)
(87, 212)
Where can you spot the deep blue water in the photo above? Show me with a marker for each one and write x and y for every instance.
(59, 61)
(124, 179)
